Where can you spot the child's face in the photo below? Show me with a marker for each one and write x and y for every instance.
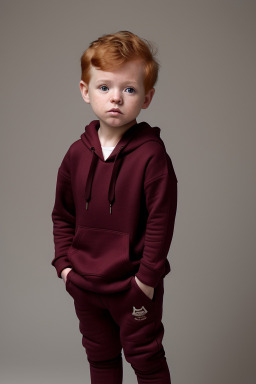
(121, 89)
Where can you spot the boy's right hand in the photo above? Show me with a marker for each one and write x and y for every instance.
(64, 274)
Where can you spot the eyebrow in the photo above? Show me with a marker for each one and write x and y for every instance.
(109, 81)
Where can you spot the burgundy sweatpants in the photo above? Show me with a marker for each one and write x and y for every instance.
(127, 320)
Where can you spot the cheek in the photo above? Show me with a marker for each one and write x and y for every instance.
(96, 102)
(134, 102)
(136, 106)
(95, 97)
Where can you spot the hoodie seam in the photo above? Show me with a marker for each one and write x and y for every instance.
(64, 174)
(149, 266)
(155, 178)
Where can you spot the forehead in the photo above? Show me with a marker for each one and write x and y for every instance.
(132, 71)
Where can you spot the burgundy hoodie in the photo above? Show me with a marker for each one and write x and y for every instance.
(114, 218)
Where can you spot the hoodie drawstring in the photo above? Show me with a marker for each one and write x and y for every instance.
(111, 191)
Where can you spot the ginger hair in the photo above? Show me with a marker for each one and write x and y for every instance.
(110, 51)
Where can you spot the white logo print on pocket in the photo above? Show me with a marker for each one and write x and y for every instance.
(139, 314)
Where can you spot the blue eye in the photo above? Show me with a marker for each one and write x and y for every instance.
(104, 88)
(130, 90)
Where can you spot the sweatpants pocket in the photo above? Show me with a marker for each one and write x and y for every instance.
(100, 252)
(141, 293)
(68, 280)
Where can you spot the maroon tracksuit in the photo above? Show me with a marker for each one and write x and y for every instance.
(114, 219)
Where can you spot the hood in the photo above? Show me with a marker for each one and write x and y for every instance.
(134, 137)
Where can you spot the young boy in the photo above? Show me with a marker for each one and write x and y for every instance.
(114, 214)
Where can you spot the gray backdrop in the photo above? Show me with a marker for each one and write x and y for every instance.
(205, 107)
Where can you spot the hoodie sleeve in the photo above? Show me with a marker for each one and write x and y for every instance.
(160, 188)
(63, 216)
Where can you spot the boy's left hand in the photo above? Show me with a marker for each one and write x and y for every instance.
(149, 291)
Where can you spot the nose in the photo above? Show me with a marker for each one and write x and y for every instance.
(116, 98)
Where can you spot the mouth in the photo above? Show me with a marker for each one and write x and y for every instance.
(115, 111)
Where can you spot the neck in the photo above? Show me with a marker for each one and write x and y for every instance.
(110, 136)
(107, 139)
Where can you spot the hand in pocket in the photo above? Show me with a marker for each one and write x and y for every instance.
(149, 291)
(65, 273)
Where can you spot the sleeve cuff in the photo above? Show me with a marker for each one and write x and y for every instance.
(148, 276)
(59, 266)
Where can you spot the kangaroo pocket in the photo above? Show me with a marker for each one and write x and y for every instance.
(100, 252)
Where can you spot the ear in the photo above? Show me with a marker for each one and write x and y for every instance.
(84, 91)
(148, 98)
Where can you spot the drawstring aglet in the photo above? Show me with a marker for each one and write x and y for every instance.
(110, 208)
(87, 205)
